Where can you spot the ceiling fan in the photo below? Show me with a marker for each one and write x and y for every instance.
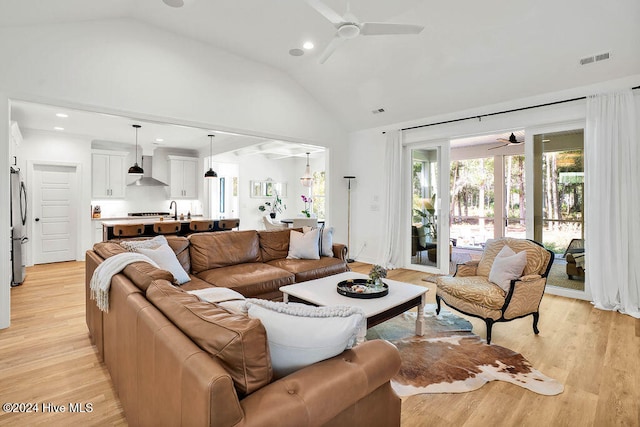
(511, 141)
(349, 27)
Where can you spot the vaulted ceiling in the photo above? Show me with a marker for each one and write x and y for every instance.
(470, 54)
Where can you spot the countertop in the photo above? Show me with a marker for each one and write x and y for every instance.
(109, 222)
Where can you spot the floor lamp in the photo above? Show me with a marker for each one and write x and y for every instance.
(349, 259)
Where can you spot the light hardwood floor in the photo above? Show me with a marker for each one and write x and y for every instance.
(46, 357)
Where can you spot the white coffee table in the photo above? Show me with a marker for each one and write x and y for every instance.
(322, 292)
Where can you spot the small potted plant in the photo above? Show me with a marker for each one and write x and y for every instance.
(307, 205)
(274, 207)
(376, 275)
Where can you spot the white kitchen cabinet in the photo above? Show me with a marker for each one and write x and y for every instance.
(97, 231)
(182, 177)
(108, 174)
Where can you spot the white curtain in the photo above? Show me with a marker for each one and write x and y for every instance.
(391, 249)
(612, 203)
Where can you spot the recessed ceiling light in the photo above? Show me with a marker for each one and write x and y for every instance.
(63, 115)
(307, 45)
(296, 52)
(58, 128)
(159, 139)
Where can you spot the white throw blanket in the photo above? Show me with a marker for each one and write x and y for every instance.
(101, 279)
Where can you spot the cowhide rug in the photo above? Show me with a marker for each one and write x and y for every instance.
(449, 358)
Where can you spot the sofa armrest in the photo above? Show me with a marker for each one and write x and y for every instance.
(340, 251)
(469, 268)
(314, 395)
(526, 296)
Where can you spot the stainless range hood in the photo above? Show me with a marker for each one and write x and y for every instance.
(147, 180)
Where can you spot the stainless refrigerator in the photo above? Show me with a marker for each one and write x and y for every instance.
(18, 226)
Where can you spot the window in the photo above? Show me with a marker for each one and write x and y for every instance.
(318, 196)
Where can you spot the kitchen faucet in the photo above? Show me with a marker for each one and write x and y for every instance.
(175, 207)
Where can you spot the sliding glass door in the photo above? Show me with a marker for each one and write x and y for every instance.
(559, 203)
(430, 246)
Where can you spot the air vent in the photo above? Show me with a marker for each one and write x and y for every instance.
(594, 58)
(587, 60)
(378, 111)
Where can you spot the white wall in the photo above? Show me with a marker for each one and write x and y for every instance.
(5, 221)
(123, 67)
(366, 150)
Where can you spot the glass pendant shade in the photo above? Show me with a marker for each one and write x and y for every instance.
(210, 173)
(136, 169)
(307, 179)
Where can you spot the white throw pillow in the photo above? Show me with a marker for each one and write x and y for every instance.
(300, 335)
(507, 266)
(167, 260)
(133, 245)
(326, 244)
(326, 239)
(304, 245)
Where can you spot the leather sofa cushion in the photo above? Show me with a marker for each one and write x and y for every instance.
(223, 248)
(108, 249)
(251, 280)
(274, 244)
(196, 283)
(140, 273)
(305, 269)
(237, 341)
(180, 246)
(143, 273)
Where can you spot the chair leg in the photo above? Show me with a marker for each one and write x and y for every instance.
(489, 323)
(437, 304)
(536, 316)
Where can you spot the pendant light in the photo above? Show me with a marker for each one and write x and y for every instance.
(307, 178)
(135, 169)
(210, 173)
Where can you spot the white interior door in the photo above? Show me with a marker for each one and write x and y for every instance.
(54, 213)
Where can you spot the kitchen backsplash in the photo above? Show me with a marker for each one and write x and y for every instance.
(120, 208)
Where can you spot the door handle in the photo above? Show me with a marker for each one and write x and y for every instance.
(37, 219)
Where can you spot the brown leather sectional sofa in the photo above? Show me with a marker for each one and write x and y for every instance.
(175, 360)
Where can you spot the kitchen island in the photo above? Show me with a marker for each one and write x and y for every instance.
(219, 224)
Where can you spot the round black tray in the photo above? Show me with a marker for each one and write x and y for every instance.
(344, 288)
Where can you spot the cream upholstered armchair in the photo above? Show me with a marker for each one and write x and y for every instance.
(471, 292)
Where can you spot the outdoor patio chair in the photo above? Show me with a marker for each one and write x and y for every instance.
(574, 255)
(517, 294)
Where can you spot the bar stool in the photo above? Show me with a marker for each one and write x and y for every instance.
(128, 230)
(167, 227)
(201, 225)
(228, 224)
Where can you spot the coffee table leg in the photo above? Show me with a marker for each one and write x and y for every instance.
(285, 297)
(420, 318)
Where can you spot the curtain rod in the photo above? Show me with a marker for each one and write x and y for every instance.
(480, 116)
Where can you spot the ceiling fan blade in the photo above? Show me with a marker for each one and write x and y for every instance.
(383, 28)
(499, 146)
(331, 47)
(326, 11)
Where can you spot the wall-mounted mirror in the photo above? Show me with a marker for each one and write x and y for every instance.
(268, 188)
